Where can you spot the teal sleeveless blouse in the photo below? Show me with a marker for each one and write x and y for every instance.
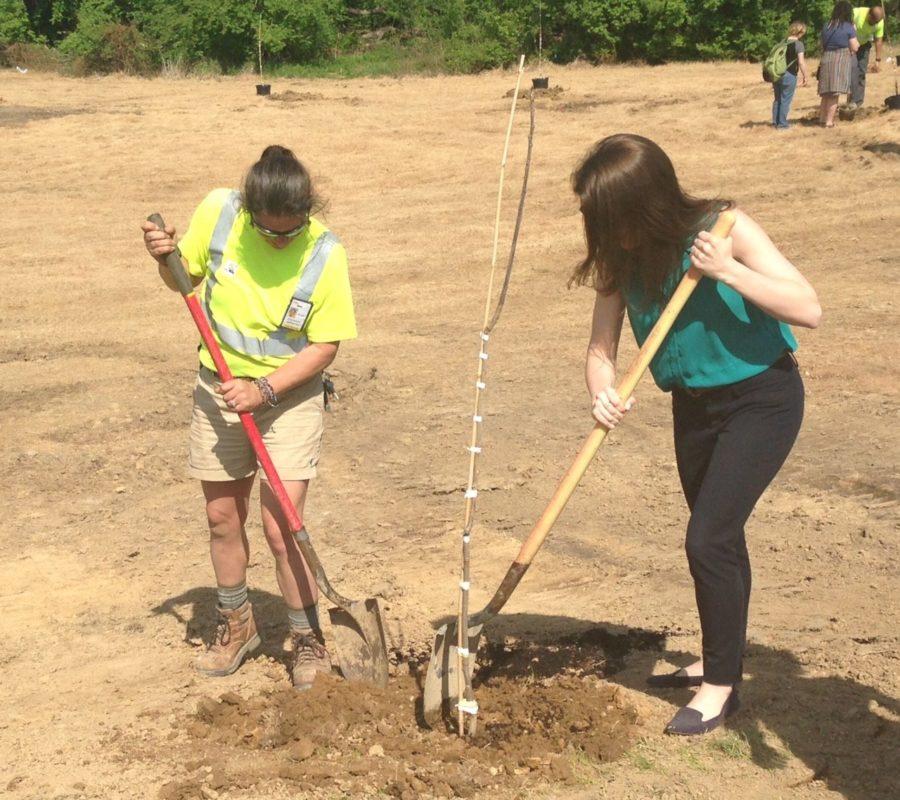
(718, 338)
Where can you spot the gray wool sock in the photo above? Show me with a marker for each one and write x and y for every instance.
(303, 620)
(231, 597)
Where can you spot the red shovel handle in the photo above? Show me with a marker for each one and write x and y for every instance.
(176, 268)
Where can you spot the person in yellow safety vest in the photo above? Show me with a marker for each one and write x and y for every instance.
(274, 284)
(869, 23)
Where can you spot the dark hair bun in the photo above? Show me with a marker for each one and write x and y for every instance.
(278, 184)
(277, 151)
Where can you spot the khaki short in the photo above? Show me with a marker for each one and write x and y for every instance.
(292, 433)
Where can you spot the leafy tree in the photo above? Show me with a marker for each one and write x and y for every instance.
(93, 17)
(467, 34)
(192, 31)
(363, 15)
(14, 23)
(103, 41)
(51, 20)
(593, 28)
(444, 19)
(663, 32)
(223, 30)
(300, 32)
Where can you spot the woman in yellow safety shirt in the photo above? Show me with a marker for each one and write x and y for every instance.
(276, 290)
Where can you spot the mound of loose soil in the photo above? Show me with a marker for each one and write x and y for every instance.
(857, 114)
(364, 740)
(290, 96)
(552, 93)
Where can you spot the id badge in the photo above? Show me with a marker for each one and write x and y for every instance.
(297, 314)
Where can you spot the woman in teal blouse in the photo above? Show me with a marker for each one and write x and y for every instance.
(737, 396)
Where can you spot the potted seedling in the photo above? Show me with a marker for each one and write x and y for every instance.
(261, 88)
(543, 81)
(893, 102)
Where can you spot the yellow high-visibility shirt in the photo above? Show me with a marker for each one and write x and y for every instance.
(255, 283)
(865, 32)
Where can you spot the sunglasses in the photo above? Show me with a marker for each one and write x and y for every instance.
(293, 233)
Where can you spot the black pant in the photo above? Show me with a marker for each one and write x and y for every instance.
(729, 444)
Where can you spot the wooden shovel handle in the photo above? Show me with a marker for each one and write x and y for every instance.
(173, 261)
(626, 387)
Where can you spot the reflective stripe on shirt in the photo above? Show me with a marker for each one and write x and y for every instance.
(278, 343)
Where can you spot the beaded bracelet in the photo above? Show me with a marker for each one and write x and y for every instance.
(266, 390)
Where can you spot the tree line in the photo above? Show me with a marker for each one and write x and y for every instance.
(143, 36)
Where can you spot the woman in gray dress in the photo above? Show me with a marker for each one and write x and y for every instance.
(839, 43)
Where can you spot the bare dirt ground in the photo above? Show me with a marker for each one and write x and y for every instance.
(104, 577)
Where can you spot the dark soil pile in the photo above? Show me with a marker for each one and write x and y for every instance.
(525, 93)
(290, 96)
(363, 740)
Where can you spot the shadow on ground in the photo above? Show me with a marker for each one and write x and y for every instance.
(806, 122)
(199, 618)
(883, 148)
(846, 732)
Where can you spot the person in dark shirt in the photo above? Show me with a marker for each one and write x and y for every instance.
(784, 87)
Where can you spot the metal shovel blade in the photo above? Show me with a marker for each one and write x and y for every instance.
(359, 641)
(441, 677)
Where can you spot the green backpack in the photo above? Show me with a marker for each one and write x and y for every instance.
(776, 64)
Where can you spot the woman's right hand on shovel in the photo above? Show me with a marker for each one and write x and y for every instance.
(608, 408)
(159, 243)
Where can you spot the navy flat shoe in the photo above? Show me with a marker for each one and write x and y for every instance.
(674, 680)
(689, 721)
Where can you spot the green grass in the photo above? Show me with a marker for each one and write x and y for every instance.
(731, 744)
(689, 756)
(642, 756)
(383, 60)
(642, 762)
(762, 753)
(584, 767)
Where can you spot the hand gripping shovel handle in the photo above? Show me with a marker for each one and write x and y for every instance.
(186, 288)
(564, 491)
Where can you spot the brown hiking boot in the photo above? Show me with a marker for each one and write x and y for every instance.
(235, 638)
(308, 658)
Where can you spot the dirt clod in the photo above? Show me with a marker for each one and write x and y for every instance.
(232, 699)
(301, 750)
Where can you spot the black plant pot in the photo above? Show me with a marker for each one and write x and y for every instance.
(893, 102)
(540, 83)
(263, 88)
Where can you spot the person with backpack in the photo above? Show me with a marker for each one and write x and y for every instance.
(839, 45)
(784, 64)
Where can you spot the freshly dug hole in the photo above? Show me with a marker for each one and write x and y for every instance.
(363, 740)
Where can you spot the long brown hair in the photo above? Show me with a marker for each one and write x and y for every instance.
(842, 12)
(637, 219)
